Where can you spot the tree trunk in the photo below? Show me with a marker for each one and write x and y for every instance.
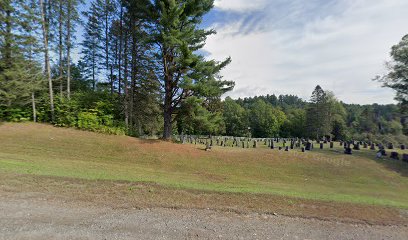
(168, 111)
(107, 42)
(120, 48)
(7, 41)
(60, 45)
(34, 108)
(69, 50)
(168, 129)
(47, 59)
(126, 99)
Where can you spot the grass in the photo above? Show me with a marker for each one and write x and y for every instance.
(324, 175)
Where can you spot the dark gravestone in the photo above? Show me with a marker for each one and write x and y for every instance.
(243, 144)
(365, 145)
(292, 145)
(287, 149)
(348, 151)
(331, 144)
(308, 146)
(403, 147)
(341, 143)
(383, 152)
(394, 155)
(255, 143)
(405, 157)
(372, 147)
(356, 146)
(321, 145)
(303, 149)
(272, 146)
(280, 148)
(390, 146)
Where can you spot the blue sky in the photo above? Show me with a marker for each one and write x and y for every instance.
(290, 46)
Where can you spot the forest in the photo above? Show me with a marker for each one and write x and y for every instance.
(138, 71)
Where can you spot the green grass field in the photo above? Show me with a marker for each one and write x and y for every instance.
(327, 174)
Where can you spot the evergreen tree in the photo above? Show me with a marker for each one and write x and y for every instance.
(318, 122)
(20, 72)
(182, 72)
(92, 47)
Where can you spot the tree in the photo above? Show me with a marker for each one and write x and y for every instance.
(174, 27)
(235, 117)
(92, 48)
(295, 124)
(47, 57)
(397, 77)
(73, 19)
(317, 115)
(265, 120)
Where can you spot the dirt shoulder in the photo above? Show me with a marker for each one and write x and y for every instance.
(126, 195)
(34, 216)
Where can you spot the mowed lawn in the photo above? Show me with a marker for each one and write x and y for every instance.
(327, 174)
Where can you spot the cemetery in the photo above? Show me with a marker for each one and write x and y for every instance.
(203, 119)
(298, 145)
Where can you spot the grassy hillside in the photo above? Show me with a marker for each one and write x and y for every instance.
(37, 149)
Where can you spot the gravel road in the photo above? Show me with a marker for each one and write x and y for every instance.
(37, 218)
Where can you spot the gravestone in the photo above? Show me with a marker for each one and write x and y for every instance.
(287, 149)
(394, 155)
(272, 146)
(405, 157)
(372, 147)
(303, 149)
(403, 147)
(321, 145)
(390, 146)
(308, 146)
(331, 144)
(280, 148)
(348, 151)
(255, 143)
(356, 146)
(365, 145)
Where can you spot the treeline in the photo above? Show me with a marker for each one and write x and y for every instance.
(139, 72)
(322, 117)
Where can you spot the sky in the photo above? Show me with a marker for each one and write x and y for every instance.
(290, 46)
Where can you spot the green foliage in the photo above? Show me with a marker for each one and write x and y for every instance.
(398, 71)
(236, 118)
(194, 118)
(265, 120)
(295, 123)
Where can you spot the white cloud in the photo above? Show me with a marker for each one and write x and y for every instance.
(342, 50)
(240, 5)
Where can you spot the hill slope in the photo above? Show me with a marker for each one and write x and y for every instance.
(324, 175)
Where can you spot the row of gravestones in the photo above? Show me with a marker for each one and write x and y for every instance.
(304, 144)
